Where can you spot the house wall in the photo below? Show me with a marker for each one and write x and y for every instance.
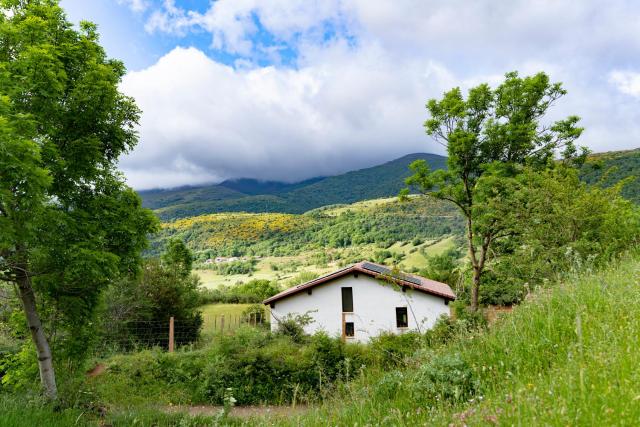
(374, 307)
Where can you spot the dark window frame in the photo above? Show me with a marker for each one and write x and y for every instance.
(402, 317)
(347, 299)
(349, 329)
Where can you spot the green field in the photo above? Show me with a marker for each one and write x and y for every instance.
(213, 315)
(290, 266)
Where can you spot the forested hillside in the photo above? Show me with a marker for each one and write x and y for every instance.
(383, 222)
(612, 167)
(246, 195)
(249, 195)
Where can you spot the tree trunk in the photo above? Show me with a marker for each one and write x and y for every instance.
(477, 266)
(45, 360)
(475, 289)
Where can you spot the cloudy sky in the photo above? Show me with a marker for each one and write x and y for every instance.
(289, 89)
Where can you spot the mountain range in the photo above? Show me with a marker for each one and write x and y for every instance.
(385, 180)
(250, 195)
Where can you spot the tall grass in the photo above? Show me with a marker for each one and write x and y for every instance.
(567, 356)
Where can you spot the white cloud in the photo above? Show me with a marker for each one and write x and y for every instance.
(204, 121)
(357, 98)
(232, 24)
(627, 82)
(135, 5)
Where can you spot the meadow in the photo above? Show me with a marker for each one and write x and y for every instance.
(566, 356)
(285, 269)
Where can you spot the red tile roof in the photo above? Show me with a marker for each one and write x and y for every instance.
(376, 271)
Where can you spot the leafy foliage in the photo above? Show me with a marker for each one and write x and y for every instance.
(259, 366)
(253, 291)
(238, 234)
(608, 169)
(69, 226)
(490, 136)
(163, 290)
(560, 225)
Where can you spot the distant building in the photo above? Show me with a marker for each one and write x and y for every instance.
(364, 300)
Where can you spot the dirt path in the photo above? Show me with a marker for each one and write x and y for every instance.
(240, 411)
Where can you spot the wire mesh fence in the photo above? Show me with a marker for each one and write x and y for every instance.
(172, 333)
(230, 322)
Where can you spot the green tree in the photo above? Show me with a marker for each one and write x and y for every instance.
(490, 136)
(136, 306)
(561, 224)
(68, 223)
(178, 258)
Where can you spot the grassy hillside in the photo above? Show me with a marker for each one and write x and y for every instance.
(567, 356)
(625, 164)
(157, 199)
(283, 245)
(253, 196)
(383, 222)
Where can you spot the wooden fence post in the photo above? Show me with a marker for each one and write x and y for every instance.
(222, 323)
(171, 334)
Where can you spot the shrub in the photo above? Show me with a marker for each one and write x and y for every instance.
(390, 350)
(260, 367)
(446, 329)
(292, 325)
(253, 291)
(443, 378)
(237, 267)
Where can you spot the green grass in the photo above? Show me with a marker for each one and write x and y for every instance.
(303, 262)
(13, 414)
(565, 357)
(212, 315)
(212, 279)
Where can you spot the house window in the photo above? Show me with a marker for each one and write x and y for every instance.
(347, 300)
(402, 320)
(349, 330)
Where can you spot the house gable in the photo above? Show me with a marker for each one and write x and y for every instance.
(376, 271)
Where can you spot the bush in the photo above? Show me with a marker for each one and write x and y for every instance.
(260, 367)
(292, 325)
(443, 378)
(446, 329)
(253, 291)
(237, 267)
(390, 350)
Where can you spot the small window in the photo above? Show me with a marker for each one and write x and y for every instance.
(347, 300)
(402, 320)
(349, 330)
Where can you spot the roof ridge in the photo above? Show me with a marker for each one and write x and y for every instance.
(424, 284)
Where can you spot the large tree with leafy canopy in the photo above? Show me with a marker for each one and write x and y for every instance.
(490, 136)
(68, 223)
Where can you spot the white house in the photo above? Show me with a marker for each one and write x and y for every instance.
(363, 300)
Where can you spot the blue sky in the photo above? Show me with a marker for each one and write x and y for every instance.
(289, 89)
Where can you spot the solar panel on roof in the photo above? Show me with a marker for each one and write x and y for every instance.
(382, 270)
(376, 268)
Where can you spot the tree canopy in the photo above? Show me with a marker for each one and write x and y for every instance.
(490, 136)
(68, 223)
